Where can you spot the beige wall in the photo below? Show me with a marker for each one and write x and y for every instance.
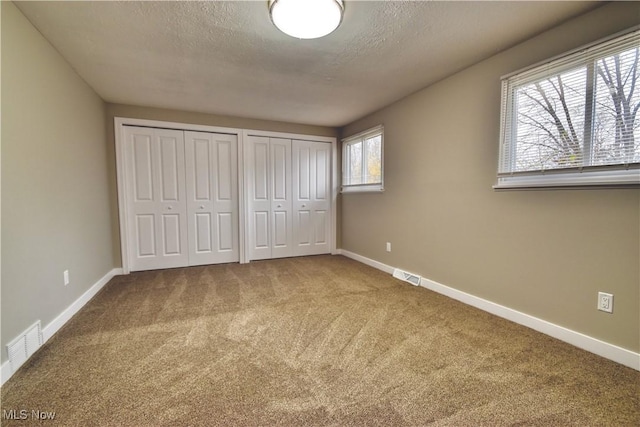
(55, 205)
(546, 253)
(129, 111)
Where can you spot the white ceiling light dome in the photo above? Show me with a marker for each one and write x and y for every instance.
(306, 19)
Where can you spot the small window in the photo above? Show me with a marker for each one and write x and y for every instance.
(574, 120)
(362, 162)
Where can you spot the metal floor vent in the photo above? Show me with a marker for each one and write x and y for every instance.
(21, 348)
(414, 279)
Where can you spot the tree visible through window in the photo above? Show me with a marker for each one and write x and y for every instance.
(617, 102)
(577, 114)
(362, 161)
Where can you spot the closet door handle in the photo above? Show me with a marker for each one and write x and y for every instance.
(170, 207)
(279, 206)
(201, 207)
(304, 206)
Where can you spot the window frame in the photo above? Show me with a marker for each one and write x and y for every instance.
(361, 138)
(613, 175)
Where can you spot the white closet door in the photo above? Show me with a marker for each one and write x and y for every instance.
(311, 197)
(259, 194)
(270, 198)
(281, 198)
(212, 201)
(156, 198)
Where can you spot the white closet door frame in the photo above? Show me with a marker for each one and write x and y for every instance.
(242, 134)
(121, 158)
(334, 178)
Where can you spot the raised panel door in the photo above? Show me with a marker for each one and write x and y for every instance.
(281, 198)
(154, 168)
(311, 197)
(259, 196)
(212, 201)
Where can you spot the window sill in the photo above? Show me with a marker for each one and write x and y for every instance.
(376, 188)
(601, 179)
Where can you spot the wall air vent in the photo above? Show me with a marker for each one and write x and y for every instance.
(414, 279)
(21, 348)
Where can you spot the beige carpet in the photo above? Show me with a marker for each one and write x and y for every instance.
(308, 341)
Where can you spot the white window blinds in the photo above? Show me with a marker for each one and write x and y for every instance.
(574, 120)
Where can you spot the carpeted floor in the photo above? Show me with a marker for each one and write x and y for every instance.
(307, 341)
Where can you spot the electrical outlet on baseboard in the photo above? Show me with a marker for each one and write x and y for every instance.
(65, 275)
(388, 246)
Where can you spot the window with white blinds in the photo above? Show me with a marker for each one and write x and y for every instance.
(362, 161)
(574, 120)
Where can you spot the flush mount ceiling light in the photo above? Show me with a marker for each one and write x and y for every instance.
(306, 19)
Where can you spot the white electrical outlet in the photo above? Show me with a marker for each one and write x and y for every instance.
(605, 302)
(66, 277)
(388, 246)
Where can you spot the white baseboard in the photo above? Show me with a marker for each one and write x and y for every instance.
(368, 261)
(57, 323)
(5, 372)
(609, 351)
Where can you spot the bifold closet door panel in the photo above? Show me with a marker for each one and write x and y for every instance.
(281, 198)
(212, 197)
(311, 197)
(268, 166)
(258, 186)
(155, 192)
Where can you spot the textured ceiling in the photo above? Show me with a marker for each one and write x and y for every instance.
(227, 58)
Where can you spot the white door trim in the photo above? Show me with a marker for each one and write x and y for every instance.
(119, 126)
(285, 135)
(242, 134)
(335, 189)
(242, 217)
